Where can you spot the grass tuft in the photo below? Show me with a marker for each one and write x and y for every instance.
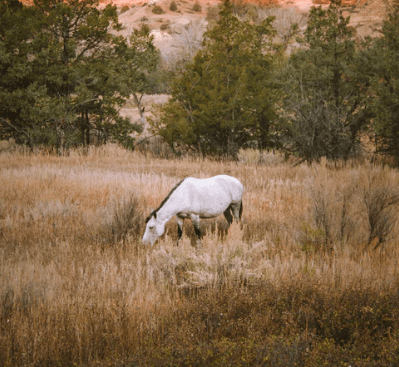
(127, 219)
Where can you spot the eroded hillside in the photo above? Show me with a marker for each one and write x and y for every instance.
(365, 16)
(178, 34)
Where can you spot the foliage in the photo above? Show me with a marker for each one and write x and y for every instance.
(224, 99)
(173, 6)
(124, 9)
(325, 104)
(382, 59)
(157, 10)
(23, 101)
(197, 7)
(64, 75)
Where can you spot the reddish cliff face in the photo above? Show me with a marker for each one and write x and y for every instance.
(366, 16)
(302, 4)
(288, 3)
(297, 3)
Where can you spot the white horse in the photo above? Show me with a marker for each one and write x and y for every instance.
(196, 198)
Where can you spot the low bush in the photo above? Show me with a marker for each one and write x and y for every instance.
(197, 7)
(124, 9)
(127, 218)
(157, 10)
(173, 6)
(164, 27)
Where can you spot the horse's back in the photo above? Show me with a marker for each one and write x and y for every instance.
(217, 186)
(231, 185)
(207, 197)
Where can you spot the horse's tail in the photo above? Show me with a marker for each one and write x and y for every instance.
(241, 209)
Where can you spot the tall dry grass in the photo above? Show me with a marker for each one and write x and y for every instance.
(297, 283)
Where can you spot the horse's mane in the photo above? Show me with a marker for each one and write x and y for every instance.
(154, 212)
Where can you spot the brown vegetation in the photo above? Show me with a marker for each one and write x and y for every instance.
(296, 283)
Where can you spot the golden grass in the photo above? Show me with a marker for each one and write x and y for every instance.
(71, 292)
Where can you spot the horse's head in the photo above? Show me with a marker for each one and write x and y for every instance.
(154, 229)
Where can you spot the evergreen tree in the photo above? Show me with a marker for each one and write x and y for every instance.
(383, 57)
(223, 100)
(71, 67)
(325, 103)
(21, 98)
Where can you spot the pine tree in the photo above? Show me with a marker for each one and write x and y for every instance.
(73, 73)
(21, 98)
(383, 58)
(325, 102)
(223, 100)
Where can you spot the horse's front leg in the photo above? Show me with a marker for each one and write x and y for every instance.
(196, 223)
(180, 222)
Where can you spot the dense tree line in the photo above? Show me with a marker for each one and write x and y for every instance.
(320, 101)
(64, 75)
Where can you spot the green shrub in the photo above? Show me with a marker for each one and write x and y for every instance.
(164, 26)
(197, 7)
(173, 6)
(157, 10)
(124, 9)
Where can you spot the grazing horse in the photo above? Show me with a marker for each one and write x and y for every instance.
(196, 198)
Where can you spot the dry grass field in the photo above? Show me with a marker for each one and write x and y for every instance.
(309, 278)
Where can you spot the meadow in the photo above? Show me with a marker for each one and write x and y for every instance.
(308, 278)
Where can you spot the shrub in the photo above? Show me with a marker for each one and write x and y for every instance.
(127, 218)
(332, 209)
(381, 197)
(197, 7)
(173, 6)
(124, 9)
(157, 10)
(359, 209)
(164, 27)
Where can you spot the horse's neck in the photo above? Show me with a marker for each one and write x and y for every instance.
(167, 211)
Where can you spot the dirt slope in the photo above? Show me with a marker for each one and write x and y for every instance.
(366, 15)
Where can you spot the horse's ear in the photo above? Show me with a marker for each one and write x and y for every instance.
(155, 214)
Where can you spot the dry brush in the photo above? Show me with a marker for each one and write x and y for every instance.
(299, 281)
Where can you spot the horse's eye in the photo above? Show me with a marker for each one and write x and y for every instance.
(151, 228)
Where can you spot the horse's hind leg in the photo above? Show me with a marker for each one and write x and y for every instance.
(180, 222)
(196, 223)
(236, 208)
(228, 216)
